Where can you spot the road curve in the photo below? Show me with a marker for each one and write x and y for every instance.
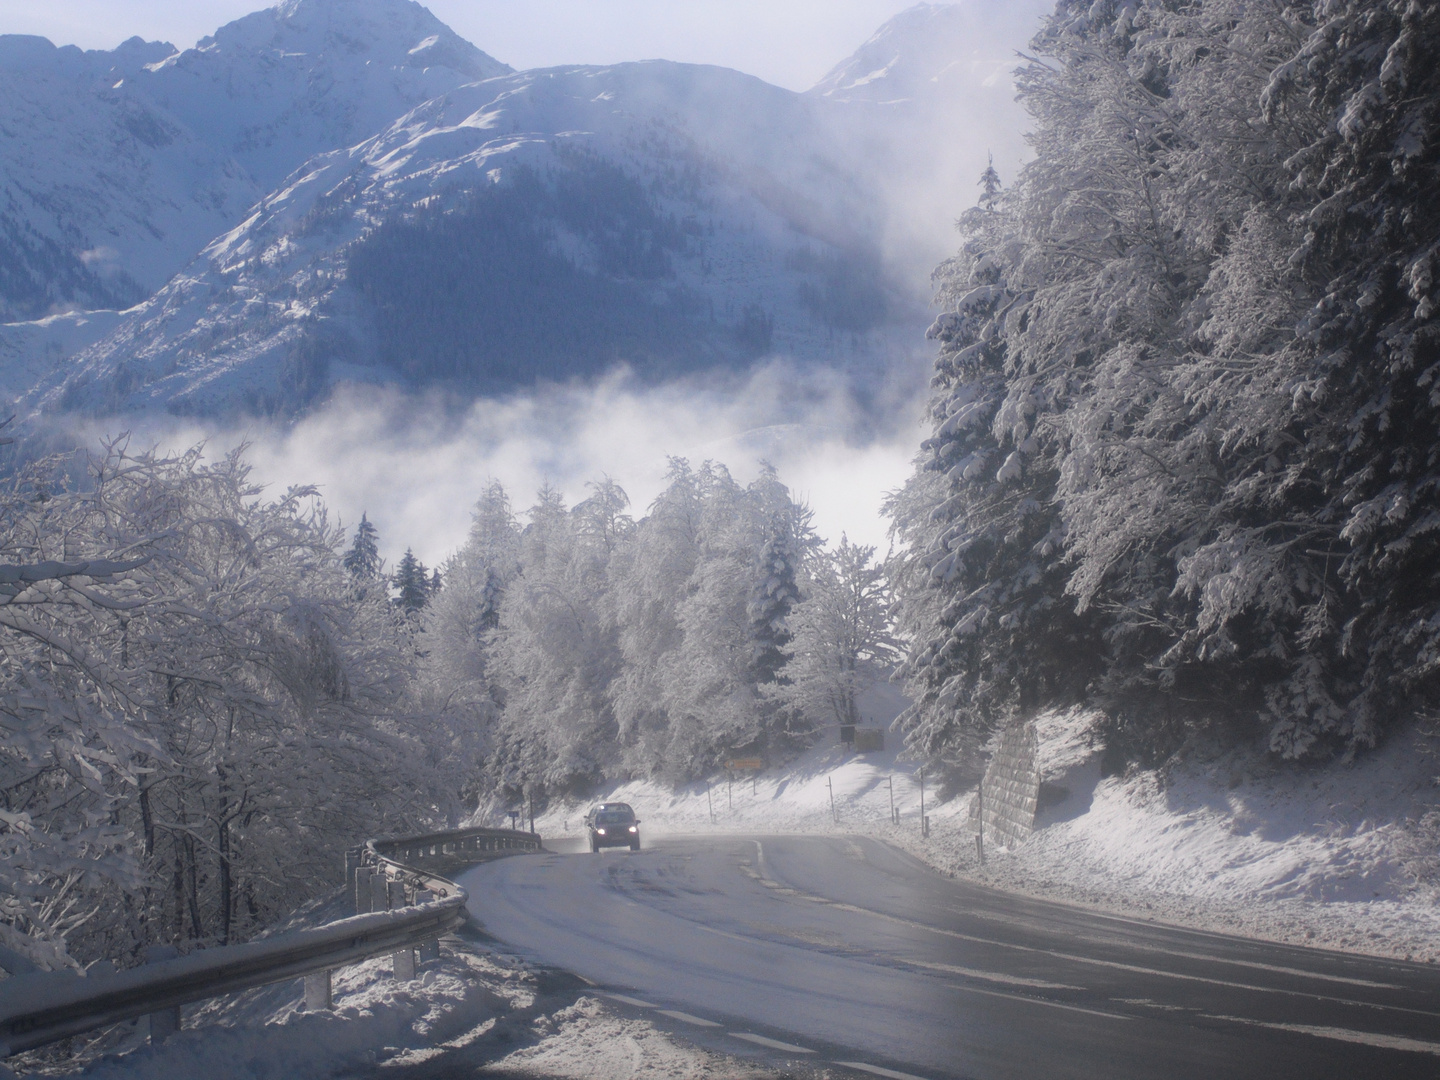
(855, 950)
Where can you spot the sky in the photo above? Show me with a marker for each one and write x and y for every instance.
(792, 43)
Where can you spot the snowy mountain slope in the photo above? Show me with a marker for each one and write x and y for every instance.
(117, 167)
(923, 104)
(30, 351)
(927, 51)
(540, 225)
(280, 85)
(669, 217)
(101, 197)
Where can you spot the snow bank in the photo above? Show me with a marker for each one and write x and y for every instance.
(1236, 843)
(473, 1007)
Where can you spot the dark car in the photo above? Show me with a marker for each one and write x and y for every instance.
(613, 824)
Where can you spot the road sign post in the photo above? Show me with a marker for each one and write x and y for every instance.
(924, 821)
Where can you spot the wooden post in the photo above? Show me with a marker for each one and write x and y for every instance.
(396, 894)
(729, 790)
(831, 787)
(317, 992)
(709, 804)
(893, 819)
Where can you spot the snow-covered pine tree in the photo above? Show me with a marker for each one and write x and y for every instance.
(411, 584)
(980, 578)
(1197, 335)
(363, 558)
(785, 540)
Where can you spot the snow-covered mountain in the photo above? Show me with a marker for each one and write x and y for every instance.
(541, 225)
(116, 167)
(432, 217)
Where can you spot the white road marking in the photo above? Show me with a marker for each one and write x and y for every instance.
(676, 1014)
(993, 976)
(1006, 920)
(1043, 1001)
(876, 1070)
(627, 1000)
(773, 1044)
(1365, 1038)
(1096, 962)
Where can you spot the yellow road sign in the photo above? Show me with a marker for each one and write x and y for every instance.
(741, 763)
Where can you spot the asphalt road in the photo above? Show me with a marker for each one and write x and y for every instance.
(855, 951)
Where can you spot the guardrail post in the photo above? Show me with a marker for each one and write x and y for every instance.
(363, 901)
(317, 992)
(396, 890)
(379, 891)
(166, 1022)
(429, 950)
(352, 864)
(163, 1024)
(404, 964)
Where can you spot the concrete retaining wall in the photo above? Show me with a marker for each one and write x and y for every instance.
(1004, 809)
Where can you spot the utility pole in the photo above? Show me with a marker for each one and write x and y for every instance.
(709, 805)
(530, 798)
(893, 819)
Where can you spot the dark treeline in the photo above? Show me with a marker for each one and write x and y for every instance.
(484, 296)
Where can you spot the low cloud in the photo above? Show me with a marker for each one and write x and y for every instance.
(416, 464)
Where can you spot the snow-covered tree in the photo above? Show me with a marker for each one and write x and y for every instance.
(456, 686)
(841, 643)
(363, 558)
(555, 654)
(185, 743)
(1182, 458)
(411, 584)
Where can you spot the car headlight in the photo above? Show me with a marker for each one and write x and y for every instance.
(600, 831)
(632, 828)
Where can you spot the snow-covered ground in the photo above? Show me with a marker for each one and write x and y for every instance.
(476, 1006)
(1237, 843)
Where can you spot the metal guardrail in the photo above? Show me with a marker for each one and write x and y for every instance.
(401, 902)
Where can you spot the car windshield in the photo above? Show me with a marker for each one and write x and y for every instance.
(614, 817)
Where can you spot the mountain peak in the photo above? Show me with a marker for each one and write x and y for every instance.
(395, 32)
(925, 47)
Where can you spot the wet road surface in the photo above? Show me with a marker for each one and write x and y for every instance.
(851, 950)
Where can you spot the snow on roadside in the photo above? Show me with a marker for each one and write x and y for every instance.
(475, 1006)
(1235, 843)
